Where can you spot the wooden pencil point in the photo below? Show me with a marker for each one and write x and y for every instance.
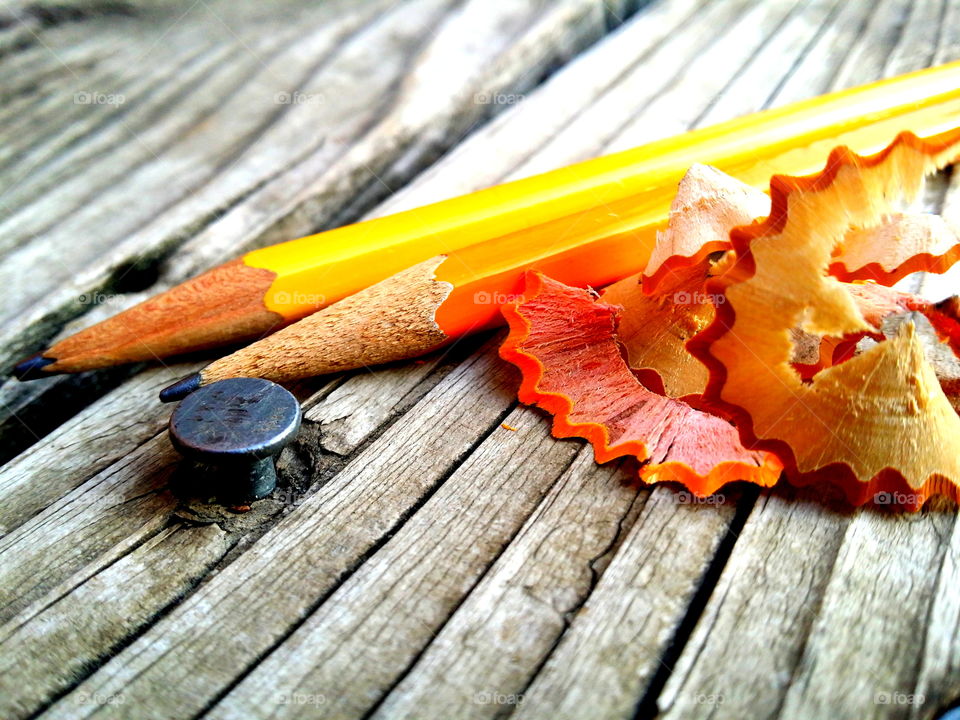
(394, 319)
(222, 305)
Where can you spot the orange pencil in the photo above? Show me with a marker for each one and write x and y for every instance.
(590, 223)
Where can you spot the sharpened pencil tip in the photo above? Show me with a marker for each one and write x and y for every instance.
(31, 368)
(181, 388)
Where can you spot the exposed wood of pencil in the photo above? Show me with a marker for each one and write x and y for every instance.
(391, 320)
(224, 304)
(590, 223)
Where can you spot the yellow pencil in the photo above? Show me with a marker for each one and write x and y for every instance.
(589, 223)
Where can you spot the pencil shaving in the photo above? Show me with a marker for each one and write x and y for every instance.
(901, 244)
(707, 205)
(677, 302)
(877, 422)
(564, 342)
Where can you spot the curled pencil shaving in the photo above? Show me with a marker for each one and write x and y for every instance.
(879, 421)
(654, 330)
(580, 371)
(903, 243)
(707, 205)
(877, 304)
(655, 325)
(564, 343)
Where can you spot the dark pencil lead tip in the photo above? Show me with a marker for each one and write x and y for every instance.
(31, 368)
(181, 388)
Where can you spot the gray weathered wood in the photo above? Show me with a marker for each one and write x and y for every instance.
(615, 643)
(187, 659)
(419, 559)
(391, 607)
(98, 522)
(104, 433)
(81, 624)
(741, 667)
(488, 652)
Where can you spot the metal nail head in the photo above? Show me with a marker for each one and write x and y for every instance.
(231, 431)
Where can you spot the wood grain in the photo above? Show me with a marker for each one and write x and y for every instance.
(380, 618)
(430, 551)
(491, 647)
(82, 622)
(228, 624)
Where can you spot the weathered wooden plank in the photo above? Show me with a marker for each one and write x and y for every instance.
(874, 44)
(78, 625)
(353, 411)
(29, 78)
(920, 38)
(86, 529)
(136, 459)
(192, 655)
(389, 609)
(93, 525)
(861, 656)
(205, 65)
(60, 114)
(488, 652)
(766, 69)
(161, 48)
(109, 142)
(817, 69)
(615, 643)
(948, 45)
(707, 74)
(25, 24)
(129, 416)
(102, 434)
(937, 674)
(740, 659)
(212, 164)
(529, 122)
(302, 199)
(640, 83)
(29, 411)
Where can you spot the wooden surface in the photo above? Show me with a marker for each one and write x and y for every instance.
(431, 552)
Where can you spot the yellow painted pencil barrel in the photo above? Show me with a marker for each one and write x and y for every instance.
(587, 224)
(573, 218)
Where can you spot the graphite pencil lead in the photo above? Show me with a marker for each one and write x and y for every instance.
(181, 388)
(32, 367)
